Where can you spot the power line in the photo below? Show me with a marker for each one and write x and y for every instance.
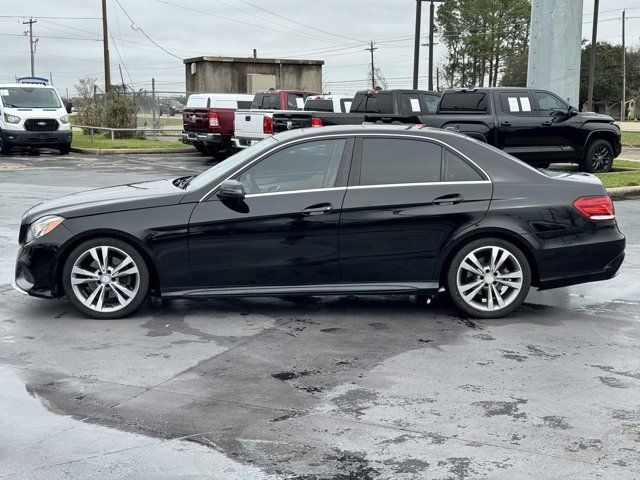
(134, 26)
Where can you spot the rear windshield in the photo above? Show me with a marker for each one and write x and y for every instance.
(373, 103)
(319, 105)
(464, 102)
(29, 97)
(268, 101)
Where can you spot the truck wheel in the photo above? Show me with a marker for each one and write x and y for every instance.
(201, 148)
(598, 158)
(64, 148)
(488, 278)
(5, 149)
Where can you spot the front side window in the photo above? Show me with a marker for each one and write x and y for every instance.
(305, 166)
(547, 103)
(29, 97)
(431, 102)
(295, 101)
(390, 161)
(410, 104)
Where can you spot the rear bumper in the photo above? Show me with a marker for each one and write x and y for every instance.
(591, 256)
(244, 142)
(15, 138)
(193, 138)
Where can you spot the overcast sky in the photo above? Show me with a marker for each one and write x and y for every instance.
(337, 31)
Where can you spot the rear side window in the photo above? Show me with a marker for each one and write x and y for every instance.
(431, 102)
(295, 101)
(390, 161)
(409, 103)
(458, 170)
(515, 103)
(464, 102)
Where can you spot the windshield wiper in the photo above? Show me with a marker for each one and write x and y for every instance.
(183, 182)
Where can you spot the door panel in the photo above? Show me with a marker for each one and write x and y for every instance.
(518, 132)
(266, 240)
(556, 131)
(396, 233)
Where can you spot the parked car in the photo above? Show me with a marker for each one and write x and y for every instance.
(257, 124)
(208, 121)
(534, 125)
(388, 106)
(170, 107)
(339, 210)
(32, 115)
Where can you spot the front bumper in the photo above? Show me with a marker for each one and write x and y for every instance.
(193, 138)
(38, 263)
(19, 138)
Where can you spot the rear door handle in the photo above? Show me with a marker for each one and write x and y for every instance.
(319, 209)
(546, 123)
(505, 124)
(452, 199)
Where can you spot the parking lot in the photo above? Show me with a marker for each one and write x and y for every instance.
(315, 387)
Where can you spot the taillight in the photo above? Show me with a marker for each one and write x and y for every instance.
(214, 121)
(267, 125)
(596, 208)
(316, 122)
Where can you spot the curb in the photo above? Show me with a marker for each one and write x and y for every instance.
(622, 193)
(110, 151)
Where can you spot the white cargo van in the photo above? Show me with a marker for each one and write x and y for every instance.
(32, 115)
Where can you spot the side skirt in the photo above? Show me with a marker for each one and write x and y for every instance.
(328, 289)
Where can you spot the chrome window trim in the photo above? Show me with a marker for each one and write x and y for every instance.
(417, 184)
(348, 135)
(308, 190)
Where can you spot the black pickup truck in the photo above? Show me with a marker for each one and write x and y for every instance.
(534, 125)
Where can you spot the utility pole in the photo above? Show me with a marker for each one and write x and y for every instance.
(592, 66)
(416, 47)
(373, 68)
(431, 15)
(153, 100)
(105, 47)
(122, 79)
(32, 44)
(624, 73)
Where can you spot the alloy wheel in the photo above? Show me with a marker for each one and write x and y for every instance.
(105, 279)
(601, 159)
(489, 278)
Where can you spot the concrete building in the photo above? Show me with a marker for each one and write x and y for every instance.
(247, 75)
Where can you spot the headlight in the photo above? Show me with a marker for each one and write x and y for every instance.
(64, 119)
(43, 226)
(11, 118)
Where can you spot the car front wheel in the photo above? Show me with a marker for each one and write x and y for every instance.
(105, 278)
(489, 278)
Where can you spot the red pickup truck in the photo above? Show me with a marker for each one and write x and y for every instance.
(208, 121)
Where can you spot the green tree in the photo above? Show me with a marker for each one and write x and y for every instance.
(481, 37)
(607, 86)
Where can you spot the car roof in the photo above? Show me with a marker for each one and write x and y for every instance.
(427, 132)
(25, 85)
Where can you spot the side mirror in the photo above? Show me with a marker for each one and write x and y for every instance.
(573, 111)
(231, 190)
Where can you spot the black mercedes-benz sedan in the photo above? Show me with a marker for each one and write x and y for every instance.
(335, 210)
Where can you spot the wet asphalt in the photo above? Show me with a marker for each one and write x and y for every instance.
(348, 387)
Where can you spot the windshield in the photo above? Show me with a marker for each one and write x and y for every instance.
(230, 164)
(29, 97)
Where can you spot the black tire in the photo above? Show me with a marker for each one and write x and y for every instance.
(598, 158)
(201, 148)
(5, 149)
(514, 298)
(136, 300)
(64, 148)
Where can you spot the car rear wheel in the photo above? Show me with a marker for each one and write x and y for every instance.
(489, 278)
(598, 157)
(64, 148)
(105, 278)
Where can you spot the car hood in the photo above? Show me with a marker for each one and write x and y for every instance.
(597, 117)
(108, 200)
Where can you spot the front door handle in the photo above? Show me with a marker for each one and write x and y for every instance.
(546, 123)
(319, 209)
(452, 199)
(505, 124)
